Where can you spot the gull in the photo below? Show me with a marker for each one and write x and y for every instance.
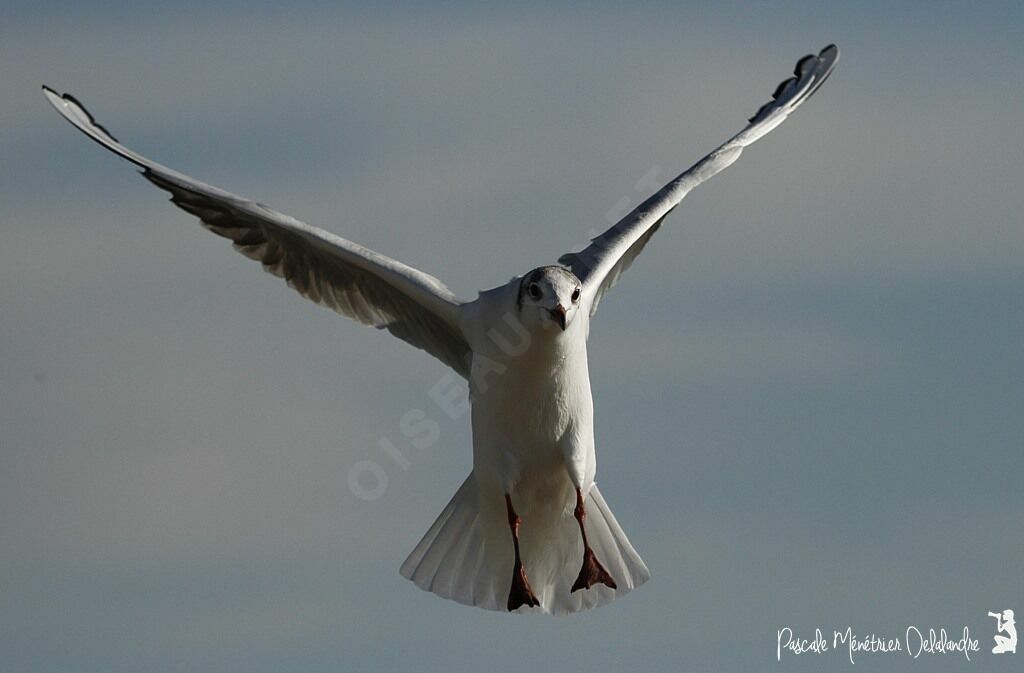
(528, 530)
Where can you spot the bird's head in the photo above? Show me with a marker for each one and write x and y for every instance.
(549, 296)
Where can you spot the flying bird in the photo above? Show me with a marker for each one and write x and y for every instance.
(528, 530)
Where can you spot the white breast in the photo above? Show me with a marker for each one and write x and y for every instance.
(530, 404)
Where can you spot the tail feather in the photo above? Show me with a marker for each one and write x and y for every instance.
(425, 562)
(460, 529)
(615, 552)
(466, 555)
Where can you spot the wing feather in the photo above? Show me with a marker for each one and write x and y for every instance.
(600, 264)
(327, 269)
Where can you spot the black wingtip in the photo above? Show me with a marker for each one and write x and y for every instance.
(830, 53)
(798, 69)
(828, 56)
(92, 120)
(783, 84)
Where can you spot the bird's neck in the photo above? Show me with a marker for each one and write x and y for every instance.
(553, 348)
(519, 346)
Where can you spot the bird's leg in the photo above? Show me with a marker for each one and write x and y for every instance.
(592, 571)
(520, 593)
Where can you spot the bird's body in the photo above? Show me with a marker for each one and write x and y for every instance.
(533, 438)
(529, 507)
(542, 374)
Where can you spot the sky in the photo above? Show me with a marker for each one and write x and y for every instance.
(808, 389)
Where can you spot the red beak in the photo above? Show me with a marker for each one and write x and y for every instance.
(558, 315)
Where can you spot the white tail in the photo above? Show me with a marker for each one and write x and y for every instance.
(466, 556)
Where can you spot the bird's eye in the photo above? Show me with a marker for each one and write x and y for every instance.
(534, 290)
(575, 295)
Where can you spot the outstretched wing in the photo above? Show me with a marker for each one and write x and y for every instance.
(600, 264)
(327, 269)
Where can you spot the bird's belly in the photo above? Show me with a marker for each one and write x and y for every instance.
(532, 418)
(521, 423)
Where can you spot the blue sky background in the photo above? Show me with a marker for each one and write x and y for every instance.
(809, 388)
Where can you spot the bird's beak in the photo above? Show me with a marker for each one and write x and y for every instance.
(558, 315)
